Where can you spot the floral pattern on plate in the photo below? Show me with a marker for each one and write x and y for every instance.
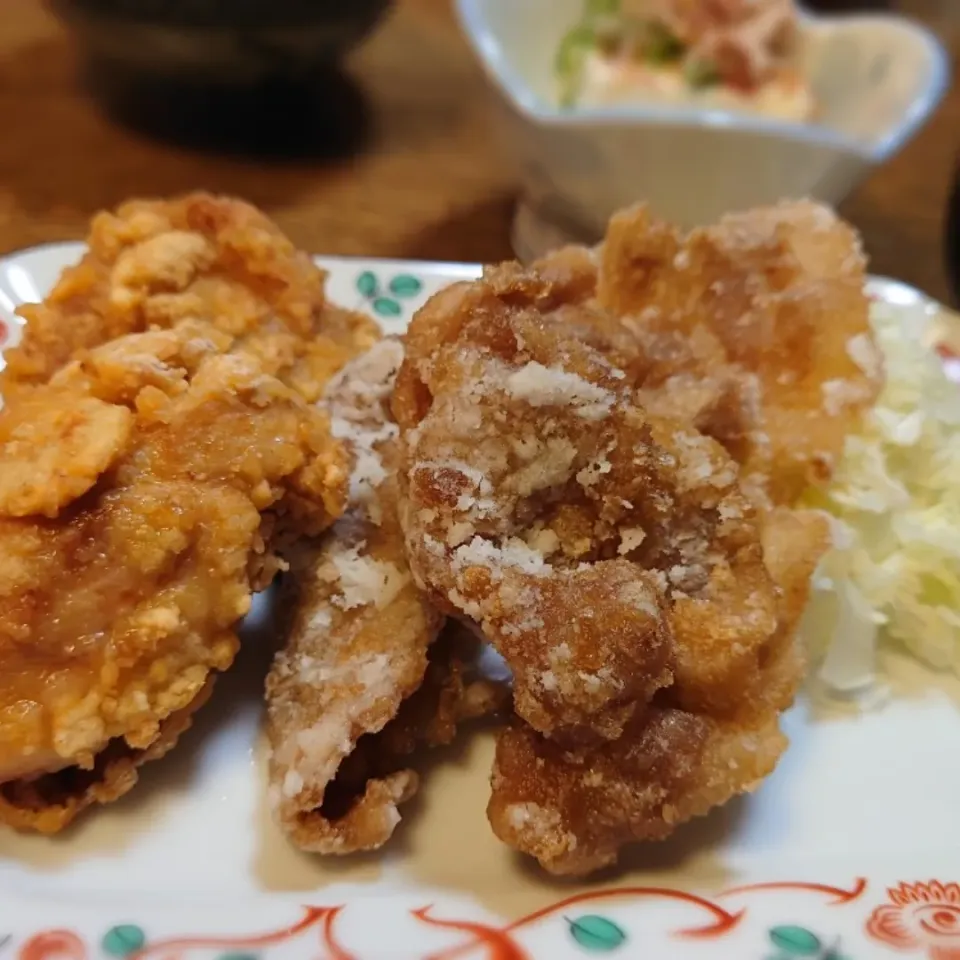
(917, 917)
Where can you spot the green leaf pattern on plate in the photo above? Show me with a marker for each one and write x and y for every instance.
(123, 939)
(387, 301)
(405, 285)
(367, 285)
(596, 934)
(793, 941)
(592, 933)
(386, 307)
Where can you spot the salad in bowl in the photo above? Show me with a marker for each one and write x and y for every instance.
(722, 54)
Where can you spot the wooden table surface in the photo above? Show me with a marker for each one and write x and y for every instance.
(426, 180)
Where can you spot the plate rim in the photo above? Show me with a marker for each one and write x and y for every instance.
(464, 267)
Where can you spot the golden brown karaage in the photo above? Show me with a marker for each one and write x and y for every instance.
(755, 329)
(573, 809)
(120, 589)
(150, 481)
(154, 263)
(587, 477)
(543, 503)
(592, 462)
(361, 680)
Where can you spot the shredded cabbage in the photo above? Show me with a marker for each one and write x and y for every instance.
(893, 575)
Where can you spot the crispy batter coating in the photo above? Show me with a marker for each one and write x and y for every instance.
(563, 282)
(574, 809)
(566, 487)
(358, 808)
(154, 263)
(595, 466)
(755, 329)
(37, 438)
(793, 542)
(359, 641)
(50, 802)
(606, 554)
(119, 591)
(360, 681)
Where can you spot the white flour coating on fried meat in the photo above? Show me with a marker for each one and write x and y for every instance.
(356, 400)
(360, 580)
(358, 646)
(544, 386)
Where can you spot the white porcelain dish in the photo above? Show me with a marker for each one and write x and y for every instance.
(850, 851)
(876, 78)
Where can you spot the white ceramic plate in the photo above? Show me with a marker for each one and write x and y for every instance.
(850, 850)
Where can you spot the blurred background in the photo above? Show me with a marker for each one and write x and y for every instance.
(362, 126)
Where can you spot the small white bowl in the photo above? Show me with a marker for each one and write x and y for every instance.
(876, 79)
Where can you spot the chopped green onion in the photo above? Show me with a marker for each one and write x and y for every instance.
(608, 43)
(700, 74)
(600, 8)
(660, 45)
(571, 56)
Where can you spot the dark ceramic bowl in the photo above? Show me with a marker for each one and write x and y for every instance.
(219, 41)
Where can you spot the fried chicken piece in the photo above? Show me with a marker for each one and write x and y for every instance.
(574, 809)
(567, 279)
(757, 329)
(155, 263)
(120, 589)
(543, 490)
(358, 809)
(50, 802)
(361, 680)
(344, 673)
(605, 554)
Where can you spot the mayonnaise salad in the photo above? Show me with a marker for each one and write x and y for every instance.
(728, 54)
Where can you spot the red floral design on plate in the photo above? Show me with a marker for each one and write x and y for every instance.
(59, 944)
(920, 916)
